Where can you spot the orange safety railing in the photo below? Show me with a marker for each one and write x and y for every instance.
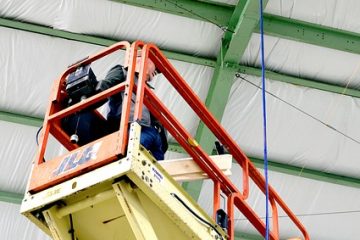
(113, 145)
(221, 182)
(76, 162)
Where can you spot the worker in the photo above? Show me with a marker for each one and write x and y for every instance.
(153, 134)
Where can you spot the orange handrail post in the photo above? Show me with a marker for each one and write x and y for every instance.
(216, 196)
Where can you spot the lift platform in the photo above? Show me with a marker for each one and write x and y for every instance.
(131, 198)
(113, 188)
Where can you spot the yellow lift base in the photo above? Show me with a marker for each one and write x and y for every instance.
(132, 198)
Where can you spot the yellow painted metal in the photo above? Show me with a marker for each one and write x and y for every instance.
(134, 212)
(59, 227)
(133, 198)
(161, 189)
(88, 202)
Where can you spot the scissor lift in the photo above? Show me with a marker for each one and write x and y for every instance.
(112, 188)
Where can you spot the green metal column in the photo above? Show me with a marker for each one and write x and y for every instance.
(216, 101)
(244, 19)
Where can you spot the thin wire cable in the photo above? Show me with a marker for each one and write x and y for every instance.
(264, 118)
(302, 111)
(309, 214)
(223, 28)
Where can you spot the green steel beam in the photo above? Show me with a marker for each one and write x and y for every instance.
(10, 197)
(308, 173)
(273, 25)
(220, 15)
(215, 101)
(241, 25)
(205, 11)
(301, 81)
(239, 20)
(243, 21)
(30, 27)
(293, 170)
(179, 56)
(6, 116)
(231, 5)
(259, 163)
(273, 165)
(311, 33)
(20, 119)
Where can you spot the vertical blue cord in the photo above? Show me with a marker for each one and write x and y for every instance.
(264, 118)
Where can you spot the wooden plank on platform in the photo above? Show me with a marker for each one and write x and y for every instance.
(186, 169)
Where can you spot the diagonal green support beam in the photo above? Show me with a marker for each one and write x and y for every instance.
(241, 24)
(216, 100)
(30, 27)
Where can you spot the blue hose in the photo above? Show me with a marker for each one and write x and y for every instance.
(264, 118)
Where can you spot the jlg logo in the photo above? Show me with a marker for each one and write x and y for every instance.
(72, 161)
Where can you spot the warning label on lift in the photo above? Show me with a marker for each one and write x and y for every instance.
(157, 174)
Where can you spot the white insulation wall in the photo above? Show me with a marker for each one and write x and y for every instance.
(31, 62)
(341, 14)
(305, 61)
(13, 226)
(31, 82)
(293, 136)
(116, 21)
